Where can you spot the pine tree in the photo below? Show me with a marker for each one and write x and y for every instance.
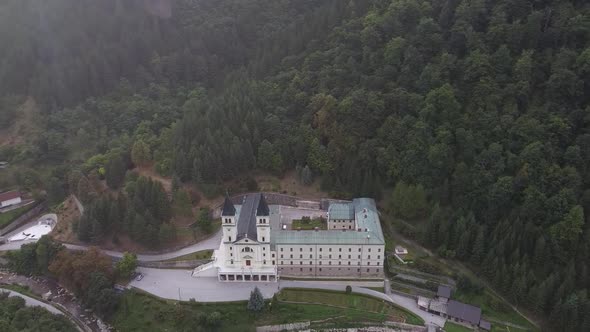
(306, 176)
(115, 172)
(256, 301)
(479, 247)
(140, 153)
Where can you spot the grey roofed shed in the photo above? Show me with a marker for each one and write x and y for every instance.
(484, 324)
(464, 312)
(444, 291)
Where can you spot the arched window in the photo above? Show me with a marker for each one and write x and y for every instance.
(247, 249)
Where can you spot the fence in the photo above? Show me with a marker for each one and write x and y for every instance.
(174, 264)
(407, 327)
(370, 327)
(283, 327)
(24, 218)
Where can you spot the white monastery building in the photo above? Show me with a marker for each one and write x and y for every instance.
(9, 198)
(255, 246)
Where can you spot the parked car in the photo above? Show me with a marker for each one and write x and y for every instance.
(139, 277)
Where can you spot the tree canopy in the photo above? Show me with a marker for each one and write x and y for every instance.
(475, 114)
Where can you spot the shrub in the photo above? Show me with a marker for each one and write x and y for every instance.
(348, 289)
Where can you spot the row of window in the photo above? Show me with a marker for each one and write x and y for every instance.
(349, 227)
(229, 239)
(330, 249)
(357, 270)
(329, 263)
(330, 256)
(229, 221)
(263, 262)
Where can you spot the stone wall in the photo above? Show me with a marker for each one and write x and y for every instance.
(283, 327)
(174, 264)
(305, 326)
(24, 218)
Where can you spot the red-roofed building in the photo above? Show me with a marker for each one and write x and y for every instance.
(9, 198)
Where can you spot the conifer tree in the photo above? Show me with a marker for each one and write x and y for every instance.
(256, 301)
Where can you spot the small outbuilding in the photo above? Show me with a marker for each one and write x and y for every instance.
(485, 325)
(443, 292)
(9, 198)
(464, 313)
(399, 250)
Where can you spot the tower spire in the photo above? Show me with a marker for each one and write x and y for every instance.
(228, 207)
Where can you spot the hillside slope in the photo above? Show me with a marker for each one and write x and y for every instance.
(482, 104)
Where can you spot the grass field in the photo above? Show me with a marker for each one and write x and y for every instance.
(452, 327)
(384, 311)
(203, 254)
(309, 224)
(142, 312)
(7, 217)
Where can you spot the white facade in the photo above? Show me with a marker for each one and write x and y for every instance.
(255, 248)
(10, 202)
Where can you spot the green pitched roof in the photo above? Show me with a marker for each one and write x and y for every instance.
(368, 228)
(338, 211)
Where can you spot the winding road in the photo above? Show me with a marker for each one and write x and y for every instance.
(210, 243)
(31, 302)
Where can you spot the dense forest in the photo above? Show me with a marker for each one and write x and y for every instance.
(477, 110)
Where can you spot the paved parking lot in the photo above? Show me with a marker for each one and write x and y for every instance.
(179, 285)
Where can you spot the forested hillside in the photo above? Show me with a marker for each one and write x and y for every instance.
(479, 107)
(482, 104)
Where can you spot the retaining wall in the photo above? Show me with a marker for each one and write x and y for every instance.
(174, 264)
(283, 327)
(24, 218)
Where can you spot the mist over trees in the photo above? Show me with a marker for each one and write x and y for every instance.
(474, 114)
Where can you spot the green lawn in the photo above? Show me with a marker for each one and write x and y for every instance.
(384, 310)
(7, 217)
(203, 254)
(452, 327)
(309, 224)
(142, 312)
(502, 328)
(379, 289)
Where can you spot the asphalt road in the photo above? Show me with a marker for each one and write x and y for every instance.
(31, 302)
(210, 243)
